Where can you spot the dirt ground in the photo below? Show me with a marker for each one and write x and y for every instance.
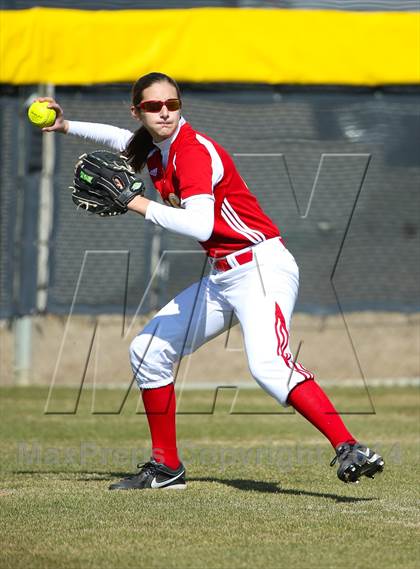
(365, 344)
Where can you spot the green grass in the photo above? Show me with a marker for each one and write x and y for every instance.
(260, 492)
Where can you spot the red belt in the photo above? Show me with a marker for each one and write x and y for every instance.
(237, 259)
(240, 258)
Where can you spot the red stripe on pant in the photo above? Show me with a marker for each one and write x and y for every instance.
(307, 397)
(283, 343)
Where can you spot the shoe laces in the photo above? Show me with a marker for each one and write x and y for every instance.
(342, 453)
(147, 467)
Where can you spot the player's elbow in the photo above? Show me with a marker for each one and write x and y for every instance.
(204, 230)
(199, 214)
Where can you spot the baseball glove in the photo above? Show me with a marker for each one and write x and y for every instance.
(104, 183)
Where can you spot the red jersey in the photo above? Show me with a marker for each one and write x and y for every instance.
(197, 165)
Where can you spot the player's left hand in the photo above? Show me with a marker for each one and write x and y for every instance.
(104, 183)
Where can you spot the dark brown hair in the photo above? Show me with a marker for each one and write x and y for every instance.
(141, 143)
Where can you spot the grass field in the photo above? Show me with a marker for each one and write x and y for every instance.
(260, 494)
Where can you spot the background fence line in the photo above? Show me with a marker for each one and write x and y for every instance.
(304, 154)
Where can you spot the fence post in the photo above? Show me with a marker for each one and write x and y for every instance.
(23, 349)
(45, 210)
(23, 324)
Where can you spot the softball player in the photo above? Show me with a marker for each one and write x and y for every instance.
(252, 273)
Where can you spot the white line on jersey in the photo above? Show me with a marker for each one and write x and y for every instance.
(236, 223)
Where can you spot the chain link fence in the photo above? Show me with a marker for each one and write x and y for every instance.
(337, 170)
(359, 5)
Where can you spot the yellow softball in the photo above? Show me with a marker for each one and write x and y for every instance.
(40, 115)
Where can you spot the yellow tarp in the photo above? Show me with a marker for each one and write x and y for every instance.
(68, 47)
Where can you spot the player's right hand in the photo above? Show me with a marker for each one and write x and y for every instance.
(60, 124)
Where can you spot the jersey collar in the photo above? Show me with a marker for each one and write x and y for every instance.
(165, 145)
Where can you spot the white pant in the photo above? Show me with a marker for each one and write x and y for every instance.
(262, 293)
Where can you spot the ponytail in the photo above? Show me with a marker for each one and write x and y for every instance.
(138, 148)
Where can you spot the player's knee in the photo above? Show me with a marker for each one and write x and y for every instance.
(149, 362)
(142, 353)
(277, 379)
(135, 349)
(258, 369)
(273, 379)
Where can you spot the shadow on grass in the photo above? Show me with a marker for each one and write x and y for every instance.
(238, 483)
(273, 488)
(78, 475)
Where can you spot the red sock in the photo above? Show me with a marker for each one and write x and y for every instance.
(311, 401)
(159, 404)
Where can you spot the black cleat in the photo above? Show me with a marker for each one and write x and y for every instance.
(356, 460)
(153, 475)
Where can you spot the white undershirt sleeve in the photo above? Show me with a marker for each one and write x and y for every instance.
(195, 220)
(116, 138)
